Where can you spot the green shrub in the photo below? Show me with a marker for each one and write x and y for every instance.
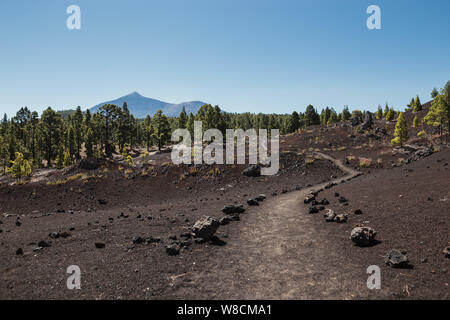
(20, 167)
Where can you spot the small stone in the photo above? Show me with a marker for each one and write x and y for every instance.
(341, 218)
(358, 211)
(230, 209)
(261, 197)
(313, 210)
(309, 198)
(19, 251)
(173, 249)
(43, 244)
(252, 202)
(342, 199)
(446, 252)
(329, 215)
(100, 245)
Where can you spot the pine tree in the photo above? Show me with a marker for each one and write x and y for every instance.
(20, 167)
(109, 115)
(400, 133)
(182, 119)
(434, 93)
(311, 116)
(295, 122)
(386, 110)
(161, 129)
(89, 143)
(50, 128)
(390, 115)
(379, 114)
(71, 143)
(415, 121)
(78, 130)
(67, 158)
(439, 113)
(417, 105)
(346, 115)
(190, 123)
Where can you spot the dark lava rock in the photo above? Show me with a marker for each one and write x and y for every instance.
(312, 210)
(102, 201)
(396, 259)
(341, 218)
(100, 245)
(252, 171)
(342, 200)
(231, 208)
(145, 240)
(336, 194)
(205, 227)
(88, 164)
(173, 249)
(419, 154)
(358, 211)
(19, 251)
(43, 244)
(54, 235)
(324, 202)
(252, 202)
(309, 198)
(446, 252)
(363, 236)
(261, 197)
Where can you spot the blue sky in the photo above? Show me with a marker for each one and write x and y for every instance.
(246, 55)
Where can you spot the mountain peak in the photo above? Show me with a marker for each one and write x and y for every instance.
(134, 94)
(141, 106)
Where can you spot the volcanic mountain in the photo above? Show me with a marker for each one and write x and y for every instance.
(141, 106)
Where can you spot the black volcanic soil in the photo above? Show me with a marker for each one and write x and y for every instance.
(277, 250)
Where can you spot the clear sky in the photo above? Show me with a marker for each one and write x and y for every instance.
(244, 55)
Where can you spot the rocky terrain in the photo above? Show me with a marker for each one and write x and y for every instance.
(343, 200)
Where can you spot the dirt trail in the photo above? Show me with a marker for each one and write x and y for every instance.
(278, 255)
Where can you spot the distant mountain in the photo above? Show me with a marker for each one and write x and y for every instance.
(141, 106)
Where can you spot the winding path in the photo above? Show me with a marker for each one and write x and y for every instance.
(279, 255)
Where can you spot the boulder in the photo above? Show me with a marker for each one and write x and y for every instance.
(363, 236)
(252, 202)
(396, 259)
(205, 227)
(252, 171)
(232, 208)
(88, 164)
